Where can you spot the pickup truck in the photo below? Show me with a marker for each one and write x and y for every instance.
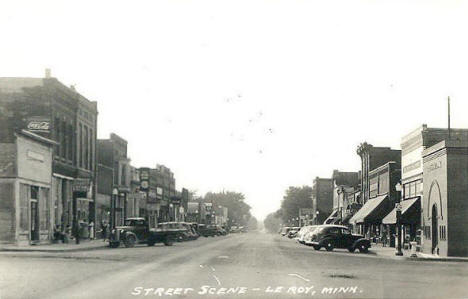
(137, 231)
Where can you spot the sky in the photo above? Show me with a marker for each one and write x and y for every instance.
(251, 96)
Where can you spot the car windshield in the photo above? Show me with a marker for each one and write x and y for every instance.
(134, 222)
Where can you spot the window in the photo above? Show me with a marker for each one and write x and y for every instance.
(80, 144)
(345, 231)
(57, 135)
(333, 230)
(91, 149)
(86, 148)
(406, 191)
(70, 142)
(63, 139)
(34, 192)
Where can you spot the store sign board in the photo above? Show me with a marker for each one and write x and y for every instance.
(38, 124)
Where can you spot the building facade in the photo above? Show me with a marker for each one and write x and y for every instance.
(27, 210)
(52, 110)
(322, 199)
(112, 153)
(371, 158)
(444, 204)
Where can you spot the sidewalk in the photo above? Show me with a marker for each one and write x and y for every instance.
(58, 247)
(389, 252)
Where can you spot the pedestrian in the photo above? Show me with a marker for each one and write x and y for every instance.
(104, 231)
(91, 230)
(384, 238)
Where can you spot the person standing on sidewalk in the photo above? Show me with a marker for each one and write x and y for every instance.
(104, 231)
(91, 230)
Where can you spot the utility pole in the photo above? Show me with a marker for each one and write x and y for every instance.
(448, 111)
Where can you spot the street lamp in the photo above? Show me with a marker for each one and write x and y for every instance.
(115, 193)
(398, 188)
(316, 217)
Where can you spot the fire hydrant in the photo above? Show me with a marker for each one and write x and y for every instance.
(413, 249)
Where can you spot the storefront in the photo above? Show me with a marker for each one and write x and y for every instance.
(410, 220)
(26, 209)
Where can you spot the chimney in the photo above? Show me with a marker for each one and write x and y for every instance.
(47, 73)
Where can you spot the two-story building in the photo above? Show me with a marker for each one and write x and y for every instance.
(52, 110)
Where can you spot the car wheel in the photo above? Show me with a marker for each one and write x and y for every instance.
(114, 244)
(168, 242)
(316, 247)
(351, 249)
(363, 248)
(130, 241)
(329, 246)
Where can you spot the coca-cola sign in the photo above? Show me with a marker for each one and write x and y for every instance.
(39, 125)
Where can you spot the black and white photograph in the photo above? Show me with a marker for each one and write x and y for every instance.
(233, 149)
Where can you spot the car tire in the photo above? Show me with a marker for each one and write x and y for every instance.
(329, 246)
(363, 248)
(114, 244)
(168, 242)
(316, 247)
(351, 249)
(130, 241)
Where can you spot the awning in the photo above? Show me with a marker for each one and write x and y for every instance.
(331, 218)
(410, 212)
(346, 219)
(372, 211)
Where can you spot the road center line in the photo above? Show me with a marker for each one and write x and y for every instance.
(217, 280)
(297, 275)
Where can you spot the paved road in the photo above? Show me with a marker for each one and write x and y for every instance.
(252, 265)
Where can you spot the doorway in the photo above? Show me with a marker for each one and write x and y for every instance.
(435, 232)
(34, 222)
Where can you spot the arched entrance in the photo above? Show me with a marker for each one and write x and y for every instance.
(435, 225)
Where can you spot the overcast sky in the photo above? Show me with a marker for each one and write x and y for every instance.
(250, 96)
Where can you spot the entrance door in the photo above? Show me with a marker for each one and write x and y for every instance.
(34, 221)
(435, 232)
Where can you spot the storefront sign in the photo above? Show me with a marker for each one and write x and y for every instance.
(434, 166)
(144, 179)
(35, 156)
(38, 124)
(81, 185)
(412, 166)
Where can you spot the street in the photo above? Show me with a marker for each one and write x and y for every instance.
(248, 265)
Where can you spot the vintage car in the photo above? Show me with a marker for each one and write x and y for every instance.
(303, 232)
(220, 231)
(292, 232)
(137, 231)
(285, 230)
(207, 230)
(337, 236)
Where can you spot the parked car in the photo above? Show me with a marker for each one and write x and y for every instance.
(285, 230)
(338, 236)
(302, 233)
(292, 233)
(220, 231)
(207, 230)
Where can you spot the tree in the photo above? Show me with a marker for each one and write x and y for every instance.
(295, 199)
(272, 222)
(252, 224)
(238, 210)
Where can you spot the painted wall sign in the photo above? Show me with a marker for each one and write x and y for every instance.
(38, 124)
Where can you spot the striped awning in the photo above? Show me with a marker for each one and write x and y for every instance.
(409, 208)
(372, 211)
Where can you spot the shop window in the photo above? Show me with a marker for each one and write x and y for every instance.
(406, 191)
(34, 192)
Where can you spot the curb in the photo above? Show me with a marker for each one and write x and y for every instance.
(436, 259)
(52, 250)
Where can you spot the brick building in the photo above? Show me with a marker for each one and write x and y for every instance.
(343, 184)
(112, 153)
(48, 108)
(322, 199)
(371, 158)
